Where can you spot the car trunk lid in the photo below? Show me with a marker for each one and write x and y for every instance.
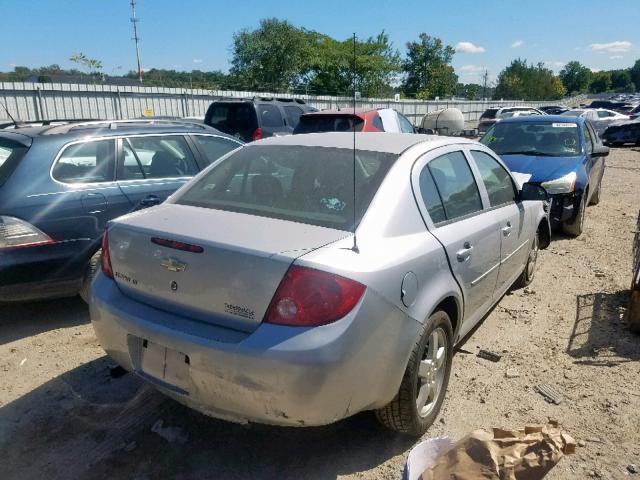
(211, 265)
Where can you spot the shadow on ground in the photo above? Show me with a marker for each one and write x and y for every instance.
(24, 319)
(600, 335)
(87, 424)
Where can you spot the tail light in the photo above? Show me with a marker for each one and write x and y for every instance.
(16, 233)
(105, 259)
(257, 134)
(308, 298)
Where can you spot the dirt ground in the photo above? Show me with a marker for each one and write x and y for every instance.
(64, 415)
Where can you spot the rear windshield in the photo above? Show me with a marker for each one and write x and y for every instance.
(311, 185)
(489, 113)
(10, 155)
(329, 123)
(232, 117)
(549, 139)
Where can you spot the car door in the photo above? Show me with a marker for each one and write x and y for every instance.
(515, 227)
(450, 201)
(594, 165)
(152, 167)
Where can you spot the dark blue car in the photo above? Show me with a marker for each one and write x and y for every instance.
(563, 154)
(60, 184)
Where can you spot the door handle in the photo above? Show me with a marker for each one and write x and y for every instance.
(465, 253)
(150, 201)
(506, 231)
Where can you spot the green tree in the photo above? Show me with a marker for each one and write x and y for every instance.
(635, 74)
(575, 77)
(601, 82)
(428, 70)
(521, 80)
(92, 66)
(621, 81)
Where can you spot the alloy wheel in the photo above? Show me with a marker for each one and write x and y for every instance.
(431, 373)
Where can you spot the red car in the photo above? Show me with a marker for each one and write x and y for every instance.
(373, 120)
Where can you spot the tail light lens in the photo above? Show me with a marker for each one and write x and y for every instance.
(257, 134)
(18, 233)
(105, 259)
(308, 298)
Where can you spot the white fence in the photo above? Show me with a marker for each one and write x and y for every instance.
(48, 101)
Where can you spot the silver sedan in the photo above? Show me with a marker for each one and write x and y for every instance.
(298, 281)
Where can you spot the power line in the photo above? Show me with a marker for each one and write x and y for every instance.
(136, 39)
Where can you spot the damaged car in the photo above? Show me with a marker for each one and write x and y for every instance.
(298, 281)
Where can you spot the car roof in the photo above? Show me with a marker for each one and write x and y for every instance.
(372, 141)
(109, 128)
(343, 111)
(543, 118)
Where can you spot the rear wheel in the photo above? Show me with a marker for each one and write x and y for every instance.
(526, 277)
(423, 388)
(575, 227)
(89, 274)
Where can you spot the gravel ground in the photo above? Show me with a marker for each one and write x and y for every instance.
(65, 414)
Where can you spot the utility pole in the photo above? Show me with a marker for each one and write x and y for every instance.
(134, 22)
(485, 76)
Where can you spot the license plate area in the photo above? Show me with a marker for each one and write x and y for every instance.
(166, 366)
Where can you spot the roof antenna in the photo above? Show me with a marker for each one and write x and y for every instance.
(355, 242)
(15, 124)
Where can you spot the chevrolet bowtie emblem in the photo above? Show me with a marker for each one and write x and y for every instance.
(173, 264)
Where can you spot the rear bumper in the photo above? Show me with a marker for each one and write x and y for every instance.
(44, 271)
(276, 374)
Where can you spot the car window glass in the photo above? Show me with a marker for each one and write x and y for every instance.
(130, 168)
(164, 156)
(405, 125)
(587, 139)
(377, 122)
(233, 118)
(214, 147)
(311, 185)
(270, 116)
(542, 139)
(456, 185)
(11, 153)
(431, 197)
(495, 178)
(86, 162)
(293, 115)
(603, 114)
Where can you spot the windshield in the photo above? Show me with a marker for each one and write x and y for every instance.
(534, 138)
(10, 155)
(311, 185)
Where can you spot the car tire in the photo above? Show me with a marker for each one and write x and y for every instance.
(595, 198)
(526, 277)
(425, 380)
(575, 227)
(89, 275)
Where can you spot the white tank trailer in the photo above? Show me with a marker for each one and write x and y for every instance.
(448, 121)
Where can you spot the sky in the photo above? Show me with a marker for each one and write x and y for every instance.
(197, 34)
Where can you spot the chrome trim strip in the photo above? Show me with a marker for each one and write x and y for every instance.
(481, 277)
(514, 252)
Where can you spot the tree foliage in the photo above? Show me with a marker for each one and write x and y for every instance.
(521, 80)
(428, 70)
(575, 77)
(601, 82)
(621, 81)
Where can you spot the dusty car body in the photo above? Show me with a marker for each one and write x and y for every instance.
(263, 306)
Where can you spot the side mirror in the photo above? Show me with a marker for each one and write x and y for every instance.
(600, 151)
(532, 192)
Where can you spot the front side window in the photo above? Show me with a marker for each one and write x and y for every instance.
(87, 162)
(543, 138)
(311, 185)
(405, 125)
(495, 178)
(588, 141)
(456, 186)
(160, 157)
(214, 147)
(269, 116)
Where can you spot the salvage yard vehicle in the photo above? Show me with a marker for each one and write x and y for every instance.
(255, 118)
(600, 118)
(362, 120)
(298, 281)
(622, 133)
(562, 153)
(493, 115)
(60, 184)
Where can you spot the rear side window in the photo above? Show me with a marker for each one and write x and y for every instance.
(331, 123)
(158, 157)
(269, 116)
(293, 115)
(232, 117)
(456, 185)
(496, 179)
(10, 155)
(405, 125)
(489, 113)
(313, 185)
(377, 122)
(430, 196)
(214, 147)
(87, 162)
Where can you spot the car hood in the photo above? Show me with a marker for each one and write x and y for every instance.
(541, 169)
